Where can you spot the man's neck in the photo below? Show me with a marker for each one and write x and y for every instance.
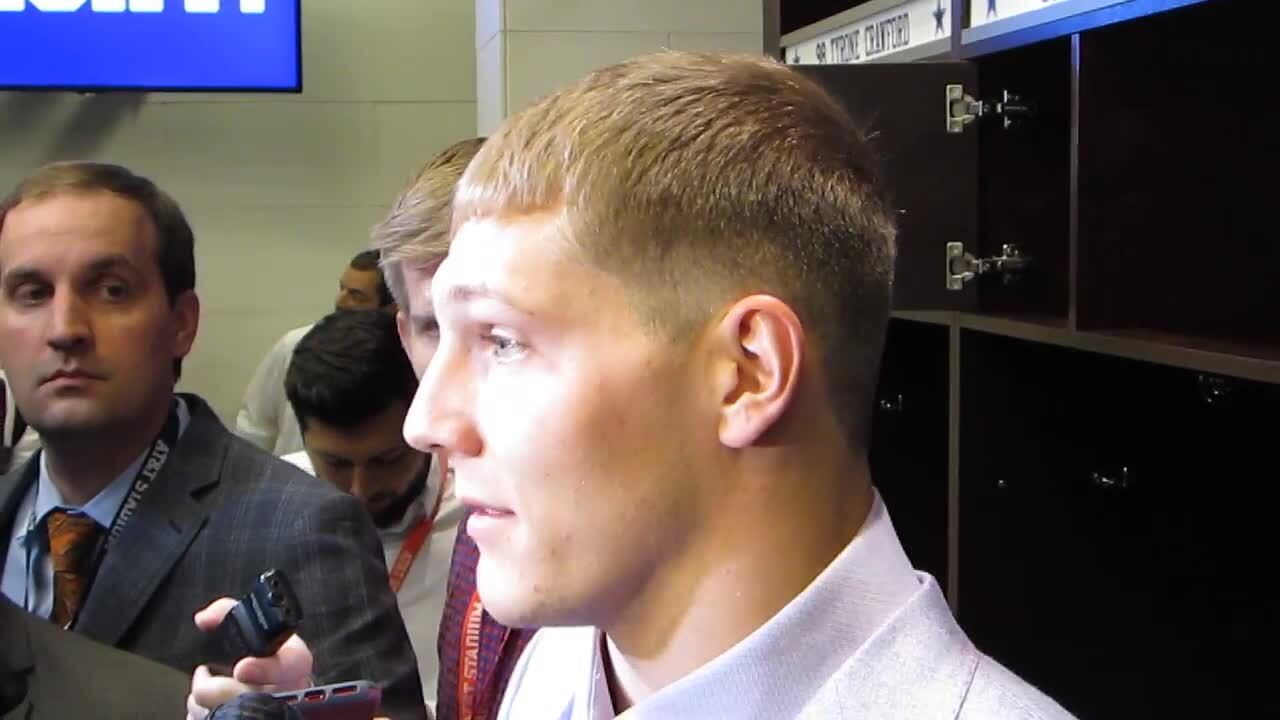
(81, 465)
(766, 553)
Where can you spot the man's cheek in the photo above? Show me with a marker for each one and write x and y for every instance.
(421, 351)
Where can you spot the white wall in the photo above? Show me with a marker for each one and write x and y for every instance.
(281, 189)
(527, 48)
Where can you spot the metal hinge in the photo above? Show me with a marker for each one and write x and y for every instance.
(963, 267)
(963, 109)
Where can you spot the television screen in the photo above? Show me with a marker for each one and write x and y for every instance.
(175, 45)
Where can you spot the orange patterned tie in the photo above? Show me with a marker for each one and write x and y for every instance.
(71, 542)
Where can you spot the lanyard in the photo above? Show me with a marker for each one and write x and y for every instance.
(414, 542)
(472, 701)
(142, 481)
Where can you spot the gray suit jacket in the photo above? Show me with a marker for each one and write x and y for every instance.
(58, 675)
(916, 665)
(220, 513)
(922, 665)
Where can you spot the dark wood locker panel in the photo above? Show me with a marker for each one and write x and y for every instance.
(1023, 178)
(909, 441)
(1115, 407)
(1212, 532)
(1111, 512)
(929, 172)
(1178, 187)
(1052, 582)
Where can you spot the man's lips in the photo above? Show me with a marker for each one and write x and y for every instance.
(484, 507)
(71, 374)
(488, 521)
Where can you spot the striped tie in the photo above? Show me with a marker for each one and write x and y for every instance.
(72, 538)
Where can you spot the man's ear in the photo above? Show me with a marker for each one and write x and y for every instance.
(186, 315)
(402, 328)
(759, 347)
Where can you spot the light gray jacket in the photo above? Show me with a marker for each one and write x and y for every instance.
(869, 639)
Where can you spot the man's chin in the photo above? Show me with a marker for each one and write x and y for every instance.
(70, 418)
(511, 602)
(509, 611)
(386, 518)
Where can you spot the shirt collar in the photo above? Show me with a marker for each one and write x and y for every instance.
(102, 508)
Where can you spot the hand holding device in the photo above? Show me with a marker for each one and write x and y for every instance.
(260, 623)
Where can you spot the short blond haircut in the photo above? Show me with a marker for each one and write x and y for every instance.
(416, 231)
(698, 178)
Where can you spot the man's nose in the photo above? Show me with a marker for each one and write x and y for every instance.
(360, 482)
(70, 329)
(439, 420)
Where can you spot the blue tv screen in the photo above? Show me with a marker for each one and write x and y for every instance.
(141, 45)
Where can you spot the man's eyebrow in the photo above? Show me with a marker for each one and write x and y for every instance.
(392, 453)
(106, 263)
(20, 274)
(471, 293)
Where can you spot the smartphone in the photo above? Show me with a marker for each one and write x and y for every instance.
(260, 623)
(359, 700)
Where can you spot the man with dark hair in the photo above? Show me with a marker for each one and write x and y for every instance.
(363, 286)
(350, 385)
(265, 418)
(141, 507)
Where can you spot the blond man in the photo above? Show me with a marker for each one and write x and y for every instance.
(660, 328)
(413, 240)
(661, 320)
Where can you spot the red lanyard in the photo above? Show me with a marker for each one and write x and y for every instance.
(414, 542)
(472, 702)
(469, 658)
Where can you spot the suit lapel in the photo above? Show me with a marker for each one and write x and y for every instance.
(167, 521)
(15, 652)
(17, 659)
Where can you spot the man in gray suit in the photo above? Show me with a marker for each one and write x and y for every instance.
(49, 674)
(142, 507)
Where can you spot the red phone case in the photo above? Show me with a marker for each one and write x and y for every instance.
(357, 700)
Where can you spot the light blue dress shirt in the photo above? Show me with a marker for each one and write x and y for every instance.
(28, 569)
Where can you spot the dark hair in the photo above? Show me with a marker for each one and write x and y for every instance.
(175, 242)
(368, 261)
(348, 368)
